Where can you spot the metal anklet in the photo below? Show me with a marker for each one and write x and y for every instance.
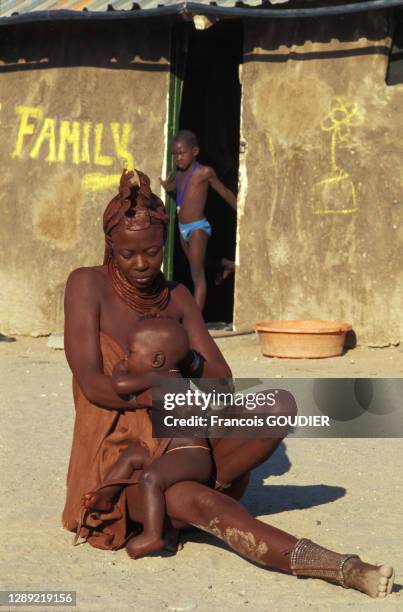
(310, 559)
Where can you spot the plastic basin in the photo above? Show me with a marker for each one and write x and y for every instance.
(302, 339)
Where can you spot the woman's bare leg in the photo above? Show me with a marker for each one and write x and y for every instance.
(225, 518)
(235, 457)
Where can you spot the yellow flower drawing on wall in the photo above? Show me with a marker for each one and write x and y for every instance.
(336, 193)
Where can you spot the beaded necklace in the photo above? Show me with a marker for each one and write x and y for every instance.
(151, 299)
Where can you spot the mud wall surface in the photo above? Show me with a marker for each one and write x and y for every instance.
(320, 215)
(78, 102)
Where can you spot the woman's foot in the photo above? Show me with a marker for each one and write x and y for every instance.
(374, 580)
(314, 561)
(99, 501)
(143, 544)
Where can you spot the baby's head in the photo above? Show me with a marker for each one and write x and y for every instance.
(156, 343)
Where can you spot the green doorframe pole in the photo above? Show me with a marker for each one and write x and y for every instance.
(179, 48)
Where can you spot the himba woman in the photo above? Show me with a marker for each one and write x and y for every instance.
(102, 303)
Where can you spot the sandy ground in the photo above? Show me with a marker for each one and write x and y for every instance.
(342, 493)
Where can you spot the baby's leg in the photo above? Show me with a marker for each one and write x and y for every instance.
(134, 457)
(175, 466)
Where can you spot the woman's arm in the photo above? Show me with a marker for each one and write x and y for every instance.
(214, 365)
(81, 339)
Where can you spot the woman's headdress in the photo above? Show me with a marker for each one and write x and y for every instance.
(134, 208)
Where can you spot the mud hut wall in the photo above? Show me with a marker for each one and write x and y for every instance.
(78, 102)
(320, 214)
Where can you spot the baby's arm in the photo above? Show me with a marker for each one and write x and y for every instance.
(125, 383)
(217, 185)
(169, 184)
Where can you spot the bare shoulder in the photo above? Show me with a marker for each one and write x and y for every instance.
(180, 294)
(210, 172)
(86, 280)
(184, 302)
(205, 172)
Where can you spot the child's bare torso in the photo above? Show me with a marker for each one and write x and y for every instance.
(194, 195)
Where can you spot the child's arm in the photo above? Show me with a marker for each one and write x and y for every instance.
(125, 383)
(217, 185)
(169, 184)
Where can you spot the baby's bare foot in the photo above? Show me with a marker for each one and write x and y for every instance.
(98, 501)
(143, 544)
(172, 540)
(374, 580)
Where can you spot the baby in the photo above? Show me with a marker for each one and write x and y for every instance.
(157, 345)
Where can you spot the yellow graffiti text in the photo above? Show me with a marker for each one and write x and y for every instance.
(46, 136)
(121, 135)
(99, 159)
(72, 141)
(96, 181)
(25, 128)
(69, 135)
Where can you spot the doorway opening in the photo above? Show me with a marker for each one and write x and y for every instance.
(211, 108)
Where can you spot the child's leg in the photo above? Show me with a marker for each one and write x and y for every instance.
(185, 245)
(178, 465)
(222, 266)
(134, 457)
(196, 255)
(227, 267)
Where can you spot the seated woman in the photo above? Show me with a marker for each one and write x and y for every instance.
(102, 304)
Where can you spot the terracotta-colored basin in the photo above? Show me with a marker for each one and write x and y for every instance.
(302, 339)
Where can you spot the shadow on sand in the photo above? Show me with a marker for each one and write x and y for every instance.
(263, 499)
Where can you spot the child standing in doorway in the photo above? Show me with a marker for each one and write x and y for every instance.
(191, 186)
